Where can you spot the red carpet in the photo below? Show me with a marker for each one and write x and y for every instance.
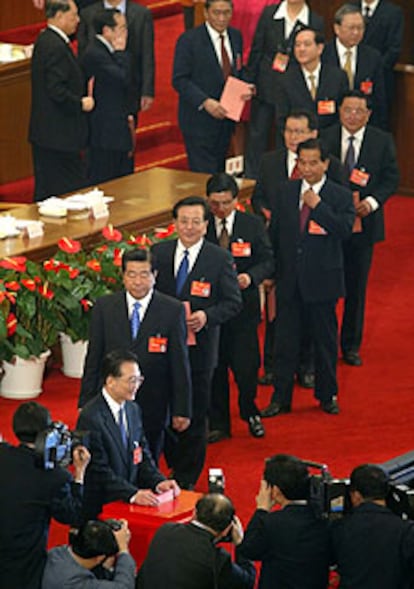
(377, 409)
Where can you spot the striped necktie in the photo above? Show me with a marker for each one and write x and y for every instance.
(122, 428)
(135, 320)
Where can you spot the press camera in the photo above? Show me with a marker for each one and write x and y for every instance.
(54, 446)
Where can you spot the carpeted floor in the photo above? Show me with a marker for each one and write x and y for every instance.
(377, 409)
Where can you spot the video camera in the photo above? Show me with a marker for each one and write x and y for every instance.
(330, 497)
(54, 446)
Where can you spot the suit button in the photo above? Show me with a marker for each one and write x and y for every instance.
(300, 251)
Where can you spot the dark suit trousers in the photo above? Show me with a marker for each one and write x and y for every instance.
(239, 350)
(288, 333)
(185, 452)
(262, 117)
(106, 164)
(207, 154)
(357, 259)
(56, 172)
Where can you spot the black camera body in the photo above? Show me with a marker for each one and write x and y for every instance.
(216, 480)
(54, 446)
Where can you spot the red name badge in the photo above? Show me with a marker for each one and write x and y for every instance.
(280, 62)
(315, 229)
(200, 289)
(137, 454)
(366, 87)
(359, 177)
(326, 107)
(241, 249)
(157, 345)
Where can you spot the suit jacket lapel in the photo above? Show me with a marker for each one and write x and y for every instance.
(113, 429)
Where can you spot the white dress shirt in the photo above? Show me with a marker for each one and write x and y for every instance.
(193, 252)
(281, 12)
(229, 224)
(144, 302)
(216, 40)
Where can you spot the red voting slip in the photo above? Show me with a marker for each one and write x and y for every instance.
(191, 336)
(91, 86)
(357, 227)
(232, 97)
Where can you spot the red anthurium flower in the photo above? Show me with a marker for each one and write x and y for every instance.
(50, 265)
(18, 263)
(86, 305)
(46, 292)
(165, 232)
(111, 234)
(109, 279)
(70, 246)
(101, 249)
(118, 257)
(73, 273)
(94, 265)
(240, 207)
(12, 285)
(11, 324)
(142, 240)
(29, 284)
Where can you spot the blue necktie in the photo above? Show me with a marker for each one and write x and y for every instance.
(135, 320)
(122, 429)
(181, 274)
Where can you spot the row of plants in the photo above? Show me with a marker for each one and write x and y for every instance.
(38, 300)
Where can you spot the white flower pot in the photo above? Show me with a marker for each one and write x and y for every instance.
(23, 379)
(73, 356)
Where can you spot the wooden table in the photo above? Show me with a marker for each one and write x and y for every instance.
(142, 201)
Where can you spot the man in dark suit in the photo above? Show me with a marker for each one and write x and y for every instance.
(107, 63)
(202, 274)
(245, 237)
(159, 343)
(204, 58)
(310, 84)
(369, 155)
(140, 48)
(270, 56)
(361, 63)
(276, 168)
(372, 546)
(291, 543)
(58, 127)
(30, 496)
(384, 31)
(312, 217)
(189, 553)
(122, 468)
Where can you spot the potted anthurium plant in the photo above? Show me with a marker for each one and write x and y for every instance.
(28, 326)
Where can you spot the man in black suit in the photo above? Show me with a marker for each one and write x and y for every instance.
(107, 63)
(30, 496)
(245, 237)
(276, 167)
(140, 48)
(122, 468)
(189, 555)
(202, 274)
(310, 84)
(369, 155)
(312, 217)
(372, 546)
(291, 543)
(361, 63)
(270, 56)
(58, 127)
(204, 58)
(384, 31)
(159, 343)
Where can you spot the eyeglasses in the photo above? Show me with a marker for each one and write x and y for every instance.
(132, 380)
(186, 222)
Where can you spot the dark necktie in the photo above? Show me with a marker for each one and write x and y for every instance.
(295, 174)
(367, 13)
(122, 428)
(135, 320)
(181, 274)
(224, 235)
(225, 60)
(304, 215)
(349, 160)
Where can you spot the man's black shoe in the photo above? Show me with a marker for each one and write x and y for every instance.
(256, 427)
(352, 358)
(330, 407)
(266, 379)
(274, 409)
(216, 435)
(306, 380)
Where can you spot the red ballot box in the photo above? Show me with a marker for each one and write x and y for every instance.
(145, 521)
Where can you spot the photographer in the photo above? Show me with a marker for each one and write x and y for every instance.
(373, 547)
(292, 543)
(187, 555)
(92, 546)
(30, 496)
